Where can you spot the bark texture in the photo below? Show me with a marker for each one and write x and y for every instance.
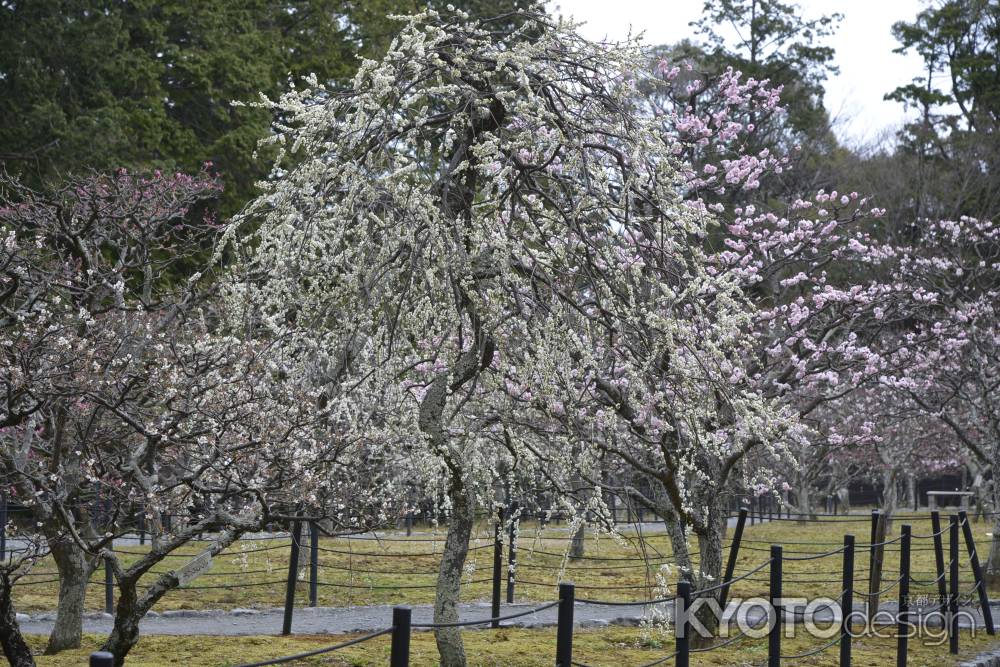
(74, 569)
(132, 605)
(15, 649)
(456, 548)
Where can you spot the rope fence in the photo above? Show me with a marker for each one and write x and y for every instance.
(946, 577)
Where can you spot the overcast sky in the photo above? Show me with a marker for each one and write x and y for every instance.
(868, 67)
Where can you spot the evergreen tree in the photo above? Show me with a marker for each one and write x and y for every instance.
(101, 84)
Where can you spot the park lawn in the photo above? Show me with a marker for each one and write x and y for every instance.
(620, 647)
(356, 571)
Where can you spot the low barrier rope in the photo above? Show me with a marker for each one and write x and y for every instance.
(484, 621)
(319, 651)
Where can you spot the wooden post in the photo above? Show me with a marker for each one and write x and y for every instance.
(942, 583)
(847, 602)
(877, 560)
(734, 552)
(399, 655)
(497, 567)
(293, 566)
(903, 614)
(313, 564)
(512, 554)
(953, 585)
(871, 546)
(109, 587)
(564, 630)
(3, 527)
(682, 629)
(977, 572)
(102, 659)
(774, 636)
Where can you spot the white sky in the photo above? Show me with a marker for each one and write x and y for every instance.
(868, 67)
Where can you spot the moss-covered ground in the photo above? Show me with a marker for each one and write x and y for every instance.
(617, 647)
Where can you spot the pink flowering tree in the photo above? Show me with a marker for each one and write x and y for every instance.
(813, 327)
(875, 437)
(950, 349)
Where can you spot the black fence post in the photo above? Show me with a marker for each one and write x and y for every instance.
(872, 550)
(903, 615)
(512, 554)
(3, 527)
(876, 564)
(293, 574)
(497, 568)
(409, 524)
(109, 587)
(847, 602)
(977, 572)
(682, 625)
(141, 525)
(953, 585)
(734, 552)
(313, 564)
(102, 659)
(942, 583)
(774, 636)
(564, 630)
(399, 653)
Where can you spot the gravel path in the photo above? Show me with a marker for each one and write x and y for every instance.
(337, 620)
(328, 620)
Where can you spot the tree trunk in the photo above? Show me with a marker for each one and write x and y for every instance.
(709, 570)
(993, 561)
(74, 572)
(710, 546)
(890, 498)
(911, 492)
(15, 649)
(132, 607)
(456, 548)
(125, 632)
(803, 490)
(576, 545)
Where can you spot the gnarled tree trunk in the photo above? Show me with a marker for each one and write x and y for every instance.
(709, 533)
(15, 649)
(456, 548)
(132, 606)
(75, 568)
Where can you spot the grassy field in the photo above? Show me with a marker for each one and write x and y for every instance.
(504, 647)
(398, 569)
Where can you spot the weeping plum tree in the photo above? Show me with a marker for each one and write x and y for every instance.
(488, 229)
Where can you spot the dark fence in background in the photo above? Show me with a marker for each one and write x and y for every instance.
(946, 583)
